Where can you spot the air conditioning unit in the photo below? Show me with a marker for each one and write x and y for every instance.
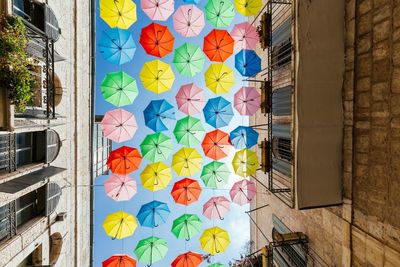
(62, 216)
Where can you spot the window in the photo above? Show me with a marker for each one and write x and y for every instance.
(282, 101)
(5, 222)
(102, 148)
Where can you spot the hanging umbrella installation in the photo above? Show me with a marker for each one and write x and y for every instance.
(243, 192)
(218, 112)
(117, 46)
(215, 174)
(186, 162)
(247, 101)
(188, 259)
(248, 63)
(119, 260)
(120, 187)
(124, 160)
(244, 137)
(119, 225)
(245, 36)
(186, 191)
(151, 250)
(119, 125)
(188, 20)
(248, 7)
(188, 131)
(220, 13)
(157, 76)
(156, 176)
(216, 207)
(119, 89)
(216, 144)
(190, 99)
(219, 78)
(156, 40)
(218, 45)
(158, 114)
(186, 226)
(214, 240)
(245, 163)
(156, 147)
(188, 59)
(121, 14)
(153, 214)
(158, 9)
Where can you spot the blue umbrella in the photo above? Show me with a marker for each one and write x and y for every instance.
(218, 112)
(248, 63)
(191, 1)
(157, 114)
(153, 214)
(244, 137)
(117, 46)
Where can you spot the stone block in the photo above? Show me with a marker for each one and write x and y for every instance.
(362, 143)
(396, 17)
(363, 100)
(374, 252)
(396, 80)
(364, 43)
(396, 54)
(380, 91)
(364, 7)
(379, 137)
(380, 110)
(396, 35)
(381, 71)
(348, 85)
(364, 24)
(381, 13)
(363, 84)
(381, 51)
(362, 158)
(395, 104)
(382, 31)
(364, 65)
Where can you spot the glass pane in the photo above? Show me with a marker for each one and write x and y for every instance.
(24, 148)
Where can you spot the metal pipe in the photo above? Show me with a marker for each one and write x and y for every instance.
(257, 208)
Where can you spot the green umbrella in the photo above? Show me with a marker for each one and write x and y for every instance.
(215, 174)
(220, 13)
(156, 147)
(151, 249)
(216, 265)
(189, 59)
(189, 131)
(119, 88)
(186, 226)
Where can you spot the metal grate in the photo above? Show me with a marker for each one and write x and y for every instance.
(53, 195)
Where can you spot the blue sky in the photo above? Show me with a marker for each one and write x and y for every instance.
(236, 222)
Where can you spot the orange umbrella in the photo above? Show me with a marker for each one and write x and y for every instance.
(218, 45)
(216, 144)
(157, 40)
(188, 259)
(124, 160)
(186, 191)
(119, 260)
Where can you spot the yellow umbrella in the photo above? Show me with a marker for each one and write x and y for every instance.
(157, 76)
(119, 225)
(245, 162)
(186, 162)
(219, 78)
(156, 176)
(121, 13)
(214, 240)
(248, 7)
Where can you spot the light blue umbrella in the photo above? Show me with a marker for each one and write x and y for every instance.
(218, 112)
(158, 114)
(153, 214)
(191, 1)
(117, 46)
(248, 63)
(244, 137)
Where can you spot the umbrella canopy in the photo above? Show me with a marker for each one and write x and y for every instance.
(188, 259)
(188, 131)
(186, 226)
(247, 101)
(120, 187)
(156, 176)
(188, 20)
(153, 214)
(188, 59)
(243, 192)
(119, 260)
(214, 240)
(190, 99)
(156, 40)
(119, 125)
(192, 1)
(216, 207)
(124, 160)
(248, 63)
(245, 36)
(186, 162)
(218, 112)
(186, 191)
(218, 45)
(119, 225)
(216, 144)
(215, 174)
(217, 265)
(121, 14)
(158, 9)
(248, 7)
(119, 89)
(158, 114)
(117, 46)
(151, 250)
(219, 78)
(220, 13)
(244, 137)
(156, 147)
(245, 162)
(157, 76)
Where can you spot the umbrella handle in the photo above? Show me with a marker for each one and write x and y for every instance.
(156, 225)
(241, 190)
(187, 239)
(155, 181)
(189, 14)
(218, 180)
(157, 34)
(186, 164)
(219, 214)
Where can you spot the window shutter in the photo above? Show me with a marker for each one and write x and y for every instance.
(53, 194)
(52, 145)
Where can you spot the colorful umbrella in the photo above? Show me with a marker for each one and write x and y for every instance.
(214, 240)
(119, 88)
(188, 259)
(186, 191)
(188, 20)
(151, 250)
(216, 144)
(156, 176)
(119, 260)
(220, 13)
(218, 45)
(217, 265)
(153, 214)
(120, 187)
(156, 40)
(248, 63)
(158, 9)
(117, 46)
(157, 76)
(119, 125)
(245, 36)
(243, 192)
(216, 207)
(247, 101)
(188, 59)
(156, 147)
(248, 7)
(186, 226)
(215, 174)
(158, 114)
(219, 78)
(119, 225)
(121, 14)
(218, 112)
(190, 99)
(188, 131)
(186, 162)
(245, 162)
(124, 160)
(192, 1)
(244, 137)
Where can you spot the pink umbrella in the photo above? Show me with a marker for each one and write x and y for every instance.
(247, 100)
(243, 192)
(190, 99)
(158, 9)
(188, 20)
(245, 36)
(120, 187)
(216, 207)
(119, 125)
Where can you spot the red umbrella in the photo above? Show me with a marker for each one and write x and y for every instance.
(188, 259)
(124, 160)
(216, 144)
(218, 45)
(186, 191)
(157, 40)
(119, 260)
